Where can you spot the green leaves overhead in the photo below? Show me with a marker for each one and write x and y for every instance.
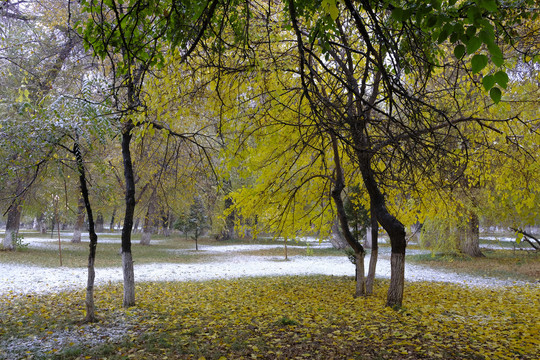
(471, 26)
(459, 51)
(479, 62)
(489, 81)
(495, 94)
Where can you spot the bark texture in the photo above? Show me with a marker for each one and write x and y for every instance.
(89, 301)
(127, 259)
(360, 274)
(397, 280)
(394, 228)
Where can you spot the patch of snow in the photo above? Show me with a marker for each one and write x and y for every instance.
(47, 242)
(25, 279)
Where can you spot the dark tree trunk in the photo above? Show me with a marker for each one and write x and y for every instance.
(374, 253)
(90, 306)
(111, 225)
(470, 239)
(100, 223)
(79, 224)
(165, 223)
(14, 218)
(337, 239)
(127, 259)
(228, 232)
(12, 225)
(394, 228)
(359, 252)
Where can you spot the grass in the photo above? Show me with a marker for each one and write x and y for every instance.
(175, 249)
(275, 318)
(502, 264)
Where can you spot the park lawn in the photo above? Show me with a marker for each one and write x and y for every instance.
(502, 264)
(276, 318)
(174, 249)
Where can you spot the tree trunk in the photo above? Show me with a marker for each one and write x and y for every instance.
(136, 225)
(79, 224)
(165, 223)
(374, 234)
(100, 227)
(12, 225)
(397, 280)
(337, 239)
(394, 228)
(470, 244)
(359, 252)
(360, 274)
(39, 224)
(148, 226)
(42, 225)
(89, 301)
(369, 238)
(111, 225)
(127, 259)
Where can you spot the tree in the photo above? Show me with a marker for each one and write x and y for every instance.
(197, 221)
(32, 72)
(133, 47)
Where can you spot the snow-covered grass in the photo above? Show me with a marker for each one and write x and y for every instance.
(213, 262)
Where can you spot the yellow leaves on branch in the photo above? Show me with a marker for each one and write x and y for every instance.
(291, 317)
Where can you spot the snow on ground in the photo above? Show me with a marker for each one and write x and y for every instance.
(24, 279)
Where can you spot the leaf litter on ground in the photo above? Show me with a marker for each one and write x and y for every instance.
(310, 317)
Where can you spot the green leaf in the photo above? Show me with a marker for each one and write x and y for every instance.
(446, 30)
(397, 13)
(490, 5)
(495, 94)
(478, 62)
(459, 51)
(496, 54)
(471, 31)
(485, 37)
(498, 61)
(488, 82)
(431, 21)
(473, 44)
(501, 78)
(519, 237)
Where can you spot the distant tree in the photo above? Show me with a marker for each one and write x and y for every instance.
(197, 221)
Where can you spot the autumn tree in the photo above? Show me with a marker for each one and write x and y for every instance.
(132, 47)
(31, 76)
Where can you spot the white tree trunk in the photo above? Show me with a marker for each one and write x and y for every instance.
(129, 279)
(12, 226)
(9, 239)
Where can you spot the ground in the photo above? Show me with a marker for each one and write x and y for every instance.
(248, 302)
